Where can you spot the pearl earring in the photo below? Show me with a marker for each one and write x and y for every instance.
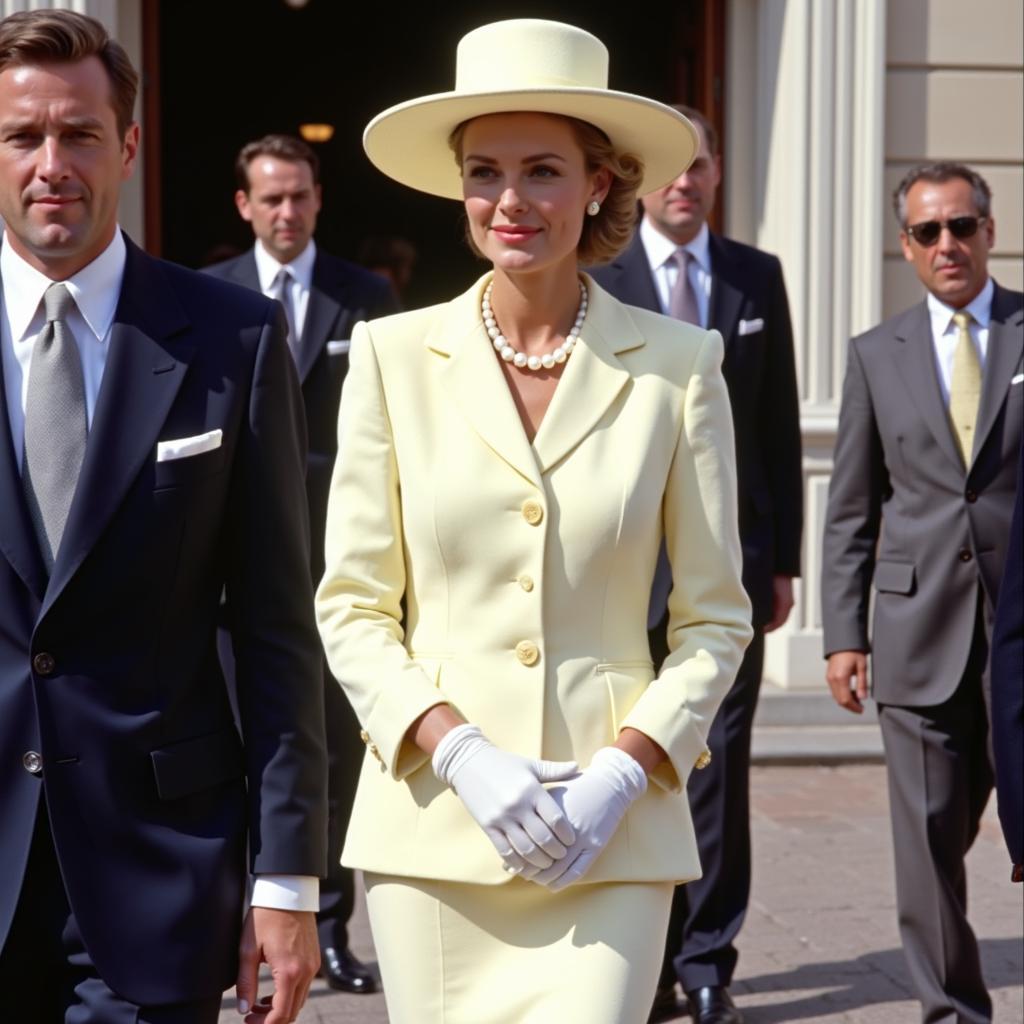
(593, 207)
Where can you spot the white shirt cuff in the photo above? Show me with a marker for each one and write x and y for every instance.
(286, 892)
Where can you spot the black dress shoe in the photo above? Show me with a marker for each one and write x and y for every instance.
(344, 972)
(665, 1006)
(713, 1005)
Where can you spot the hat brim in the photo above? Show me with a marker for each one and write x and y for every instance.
(409, 142)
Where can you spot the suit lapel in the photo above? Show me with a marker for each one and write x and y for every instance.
(476, 385)
(592, 380)
(17, 538)
(726, 291)
(321, 314)
(144, 370)
(1002, 358)
(633, 282)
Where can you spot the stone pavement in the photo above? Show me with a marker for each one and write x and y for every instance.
(820, 942)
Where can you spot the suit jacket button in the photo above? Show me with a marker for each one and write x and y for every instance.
(526, 582)
(971, 496)
(527, 652)
(44, 664)
(32, 762)
(965, 555)
(533, 511)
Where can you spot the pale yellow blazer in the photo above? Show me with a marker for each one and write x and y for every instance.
(526, 570)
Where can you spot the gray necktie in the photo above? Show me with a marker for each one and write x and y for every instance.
(683, 300)
(283, 294)
(56, 428)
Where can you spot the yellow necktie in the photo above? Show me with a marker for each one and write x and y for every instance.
(964, 385)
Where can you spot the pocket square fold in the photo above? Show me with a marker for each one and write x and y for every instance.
(338, 346)
(1017, 379)
(183, 447)
(751, 326)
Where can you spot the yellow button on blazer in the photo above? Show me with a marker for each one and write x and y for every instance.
(526, 570)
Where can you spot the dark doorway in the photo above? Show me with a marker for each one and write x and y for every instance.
(220, 74)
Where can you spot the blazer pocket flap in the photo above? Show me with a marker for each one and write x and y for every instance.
(894, 577)
(185, 447)
(195, 764)
(338, 346)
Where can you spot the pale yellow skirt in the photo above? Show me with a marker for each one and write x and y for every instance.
(452, 953)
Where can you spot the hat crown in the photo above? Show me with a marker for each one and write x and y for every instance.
(530, 53)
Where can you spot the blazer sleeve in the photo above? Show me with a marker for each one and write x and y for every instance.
(780, 433)
(709, 611)
(853, 518)
(359, 601)
(279, 668)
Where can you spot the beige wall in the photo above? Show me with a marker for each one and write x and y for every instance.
(954, 85)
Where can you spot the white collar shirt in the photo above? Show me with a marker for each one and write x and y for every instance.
(664, 269)
(96, 289)
(301, 271)
(945, 334)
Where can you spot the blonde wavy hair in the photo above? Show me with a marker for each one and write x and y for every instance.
(607, 233)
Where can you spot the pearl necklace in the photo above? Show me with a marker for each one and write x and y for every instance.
(520, 359)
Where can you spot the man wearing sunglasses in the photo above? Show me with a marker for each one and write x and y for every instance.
(920, 504)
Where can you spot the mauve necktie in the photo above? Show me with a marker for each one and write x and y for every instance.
(56, 428)
(964, 385)
(283, 294)
(682, 303)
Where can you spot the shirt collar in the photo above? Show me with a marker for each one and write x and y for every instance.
(301, 267)
(96, 288)
(980, 308)
(659, 248)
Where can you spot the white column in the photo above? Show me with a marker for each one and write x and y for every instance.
(805, 113)
(123, 20)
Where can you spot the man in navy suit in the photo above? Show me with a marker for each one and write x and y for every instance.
(676, 265)
(279, 194)
(1008, 688)
(151, 458)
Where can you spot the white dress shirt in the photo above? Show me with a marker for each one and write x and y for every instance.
(665, 270)
(945, 332)
(96, 290)
(267, 268)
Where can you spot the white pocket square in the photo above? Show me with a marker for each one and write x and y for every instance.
(338, 346)
(1017, 379)
(751, 326)
(183, 447)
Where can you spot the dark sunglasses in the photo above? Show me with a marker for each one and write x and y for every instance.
(928, 231)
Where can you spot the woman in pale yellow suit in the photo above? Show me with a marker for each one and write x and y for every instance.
(509, 464)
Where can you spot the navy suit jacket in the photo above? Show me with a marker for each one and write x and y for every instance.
(341, 295)
(109, 668)
(1008, 682)
(760, 372)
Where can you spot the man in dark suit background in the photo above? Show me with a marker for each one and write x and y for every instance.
(919, 507)
(676, 265)
(151, 457)
(279, 194)
(1008, 688)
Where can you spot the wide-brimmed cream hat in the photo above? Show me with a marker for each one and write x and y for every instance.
(526, 65)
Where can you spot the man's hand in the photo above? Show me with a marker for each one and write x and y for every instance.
(782, 601)
(847, 675)
(286, 941)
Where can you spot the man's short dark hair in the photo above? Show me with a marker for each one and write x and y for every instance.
(699, 117)
(938, 173)
(283, 147)
(65, 37)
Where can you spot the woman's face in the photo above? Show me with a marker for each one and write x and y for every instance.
(526, 189)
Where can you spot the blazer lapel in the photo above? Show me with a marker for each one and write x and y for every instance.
(144, 370)
(726, 292)
(17, 538)
(915, 358)
(1002, 358)
(592, 380)
(476, 385)
(321, 312)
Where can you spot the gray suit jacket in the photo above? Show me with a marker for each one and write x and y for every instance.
(906, 515)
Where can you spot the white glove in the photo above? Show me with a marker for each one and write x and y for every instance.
(595, 801)
(504, 794)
